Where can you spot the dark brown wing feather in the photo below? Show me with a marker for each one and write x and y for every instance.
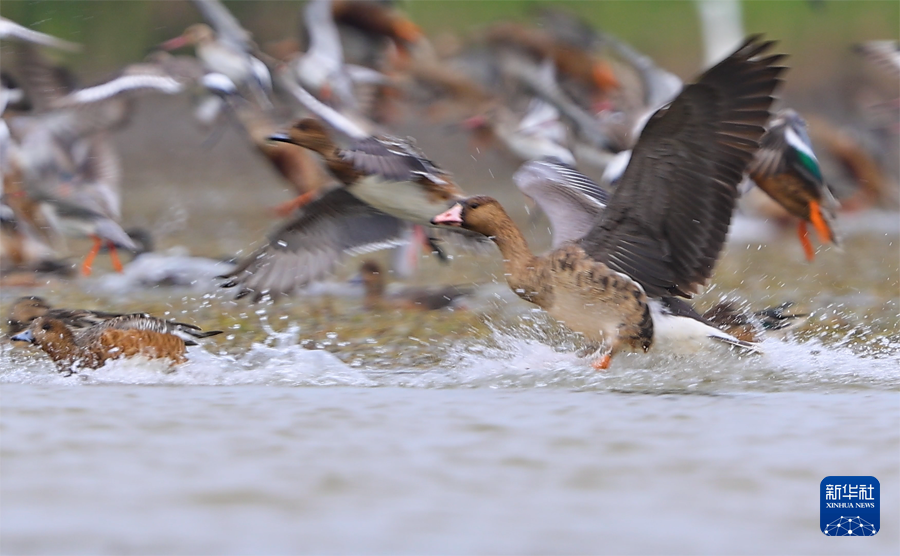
(667, 219)
(310, 244)
(770, 159)
(391, 158)
(81, 318)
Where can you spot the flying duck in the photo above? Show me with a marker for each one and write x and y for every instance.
(786, 168)
(385, 184)
(226, 48)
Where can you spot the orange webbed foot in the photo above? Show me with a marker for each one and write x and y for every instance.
(602, 362)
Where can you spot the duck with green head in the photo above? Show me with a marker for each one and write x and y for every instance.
(786, 168)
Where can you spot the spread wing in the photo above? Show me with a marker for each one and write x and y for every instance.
(770, 160)
(12, 30)
(140, 77)
(43, 81)
(310, 244)
(393, 159)
(571, 200)
(667, 220)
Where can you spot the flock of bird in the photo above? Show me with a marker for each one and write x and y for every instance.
(627, 252)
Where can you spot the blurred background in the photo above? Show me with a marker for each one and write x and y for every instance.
(817, 33)
(187, 182)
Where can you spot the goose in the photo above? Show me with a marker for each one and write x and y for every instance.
(666, 222)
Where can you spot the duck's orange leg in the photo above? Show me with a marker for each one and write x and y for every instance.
(818, 222)
(92, 254)
(114, 256)
(602, 362)
(804, 241)
(287, 208)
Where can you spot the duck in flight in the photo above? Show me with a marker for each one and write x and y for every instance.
(787, 169)
(386, 185)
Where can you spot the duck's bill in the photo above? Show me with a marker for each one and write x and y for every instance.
(25, 336)
(280, 137)
(450, 217)
(174, 44)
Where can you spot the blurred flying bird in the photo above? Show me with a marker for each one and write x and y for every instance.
(226, 48)
(10, 30)
(786, 168)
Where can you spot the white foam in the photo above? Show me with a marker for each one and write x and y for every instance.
(506, 360)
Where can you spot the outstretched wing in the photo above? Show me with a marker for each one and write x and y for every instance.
(394, 159)
(311, 243)
(12, 30)
(667, 219)
(571, 200)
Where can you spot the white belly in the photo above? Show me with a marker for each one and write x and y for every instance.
(684, 335)
(600, 321)
(405, 200)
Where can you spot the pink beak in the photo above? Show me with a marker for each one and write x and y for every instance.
(474, 122)
(172, 44)
(451, 217)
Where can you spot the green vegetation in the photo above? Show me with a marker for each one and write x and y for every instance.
(116, 32)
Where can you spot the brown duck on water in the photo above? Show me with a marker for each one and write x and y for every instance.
(28, 309)
(665, 224)
(118, 337)
(92, 347)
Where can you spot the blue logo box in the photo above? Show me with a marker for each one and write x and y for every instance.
(851, 506)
